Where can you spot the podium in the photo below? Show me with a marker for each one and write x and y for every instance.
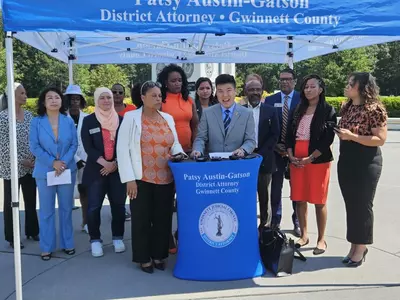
(217, 219)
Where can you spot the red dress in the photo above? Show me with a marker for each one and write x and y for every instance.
(310, 183)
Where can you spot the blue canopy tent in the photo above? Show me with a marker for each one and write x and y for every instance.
(147, 31)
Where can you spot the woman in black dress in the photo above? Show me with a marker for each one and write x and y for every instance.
(363, 129)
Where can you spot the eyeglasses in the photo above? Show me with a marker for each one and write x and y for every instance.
(285, 79)
(118, 92)
(148, 85)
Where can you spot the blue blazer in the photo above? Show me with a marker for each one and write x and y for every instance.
(268, 134)
(277, 98)
(45, 148)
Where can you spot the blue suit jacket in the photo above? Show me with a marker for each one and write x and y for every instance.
(268, 134)
(45, 148)
(277, 98)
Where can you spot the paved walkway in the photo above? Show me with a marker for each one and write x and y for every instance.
(115, 277)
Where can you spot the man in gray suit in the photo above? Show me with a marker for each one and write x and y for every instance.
(227, 126)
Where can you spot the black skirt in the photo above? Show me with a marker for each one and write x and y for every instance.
(359, 170)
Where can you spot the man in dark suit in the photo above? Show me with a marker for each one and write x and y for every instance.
(267, 135)
(285, 103)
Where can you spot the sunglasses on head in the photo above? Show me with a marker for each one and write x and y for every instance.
(148, 85)
(118, 92)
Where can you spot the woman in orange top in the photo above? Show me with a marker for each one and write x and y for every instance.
(178, 103)
(146, 141)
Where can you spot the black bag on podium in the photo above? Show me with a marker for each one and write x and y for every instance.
(277, 252)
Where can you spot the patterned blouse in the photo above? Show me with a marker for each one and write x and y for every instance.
(22, 145)
(304, 129)
(156, 142)
(360, 119)
(109, 144)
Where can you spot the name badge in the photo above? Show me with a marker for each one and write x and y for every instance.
(94, 130)
(278, 105)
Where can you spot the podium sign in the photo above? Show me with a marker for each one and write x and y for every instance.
(217, 219)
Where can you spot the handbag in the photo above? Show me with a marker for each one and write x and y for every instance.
(278, 252)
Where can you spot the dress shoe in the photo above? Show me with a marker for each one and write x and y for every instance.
(355, 264)
(159, 265)
(21, 245)
(346, 260)
(147, 269)
(298, 245)
(34, 237)
(319, 251)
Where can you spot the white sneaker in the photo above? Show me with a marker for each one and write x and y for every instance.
(85, 229)
(119, 246)
(97, 249)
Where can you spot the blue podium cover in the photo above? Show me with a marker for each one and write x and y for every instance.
(217, 220)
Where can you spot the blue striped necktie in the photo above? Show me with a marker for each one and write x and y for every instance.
(227, 120)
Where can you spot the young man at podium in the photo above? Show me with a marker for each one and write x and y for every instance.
(227, 126)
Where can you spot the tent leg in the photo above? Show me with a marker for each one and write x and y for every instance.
(290, 62)
(14, 164)
(70, 72)
(290, 52)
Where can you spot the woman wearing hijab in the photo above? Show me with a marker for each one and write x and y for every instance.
(101, 177)
(26, 163)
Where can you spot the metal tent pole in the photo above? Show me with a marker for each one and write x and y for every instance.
(70, 72)
(71, 58)
(14, 164)
(290, 52)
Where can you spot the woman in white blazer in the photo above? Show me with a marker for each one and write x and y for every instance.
(147, 140)
(75, 103)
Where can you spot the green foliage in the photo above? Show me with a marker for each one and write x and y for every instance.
(391, 103)
(106, 75)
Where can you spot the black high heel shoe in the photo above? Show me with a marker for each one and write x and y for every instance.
(148, 269)
(356, 264)
(159, 265)
(34, 237)
(21, 245)
(346, 260)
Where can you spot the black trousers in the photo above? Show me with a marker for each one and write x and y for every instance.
(28, 186)
(359, 170)
(116, 192)
(151, 221)
(263, 189)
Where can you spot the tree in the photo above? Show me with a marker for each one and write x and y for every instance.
(106, 75)
(387, 69)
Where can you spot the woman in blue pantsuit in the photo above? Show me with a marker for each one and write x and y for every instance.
(53, 142)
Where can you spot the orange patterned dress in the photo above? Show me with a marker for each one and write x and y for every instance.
(156, 142)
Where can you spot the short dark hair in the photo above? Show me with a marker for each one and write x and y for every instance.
(225, 78)
(68, 98)
(119, 85)
(288, 70)
(41, 108)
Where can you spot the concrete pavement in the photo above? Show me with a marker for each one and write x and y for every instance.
(114, 276)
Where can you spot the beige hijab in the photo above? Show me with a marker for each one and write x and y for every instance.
(108, 119)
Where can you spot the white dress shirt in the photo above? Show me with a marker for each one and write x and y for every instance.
(256, 115)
